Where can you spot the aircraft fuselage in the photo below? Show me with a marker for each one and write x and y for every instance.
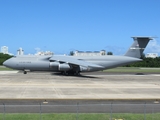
(42, 63)
(77, 64)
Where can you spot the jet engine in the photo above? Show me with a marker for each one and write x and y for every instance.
(54, 65)
(84, 69)
(59, 66)
(64, 67)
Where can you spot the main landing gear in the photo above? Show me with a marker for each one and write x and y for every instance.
(76, 73)
(64, 73)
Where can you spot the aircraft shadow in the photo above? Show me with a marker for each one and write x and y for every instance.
(82, 76)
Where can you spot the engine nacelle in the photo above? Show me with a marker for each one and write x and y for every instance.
(54, 64)
(64, 67)
(84, 69)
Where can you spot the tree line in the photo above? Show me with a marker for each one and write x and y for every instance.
(4, 57)
(147, 62)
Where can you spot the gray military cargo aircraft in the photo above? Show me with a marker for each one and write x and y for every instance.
(76, 64)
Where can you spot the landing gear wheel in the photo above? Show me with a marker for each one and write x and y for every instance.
(64, 73)
(77, 73)
(25, 72)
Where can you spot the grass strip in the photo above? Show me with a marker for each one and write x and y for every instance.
(80, 116)
(133, 70)
(3, 68)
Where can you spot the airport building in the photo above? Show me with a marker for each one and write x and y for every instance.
(45, 53)
(20, 51)
(89, 53)
(151, 55)
(4, 49)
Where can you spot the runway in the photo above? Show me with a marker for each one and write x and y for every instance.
(97, 92)
(98, 85)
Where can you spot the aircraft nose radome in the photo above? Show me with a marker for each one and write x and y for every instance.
(5, 63)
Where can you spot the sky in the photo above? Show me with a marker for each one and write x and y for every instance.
(62, 26)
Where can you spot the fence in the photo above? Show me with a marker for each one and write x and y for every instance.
(79, 111)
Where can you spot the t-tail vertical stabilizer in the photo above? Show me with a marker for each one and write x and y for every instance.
(138, 46)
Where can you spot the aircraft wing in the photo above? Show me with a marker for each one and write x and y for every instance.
(73, 61)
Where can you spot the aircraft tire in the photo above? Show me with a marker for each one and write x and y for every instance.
(77, 73)
(25, 72)
(65, 73)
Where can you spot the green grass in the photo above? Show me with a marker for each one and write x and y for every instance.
(80, 116)
(3, 68)
(133, 70)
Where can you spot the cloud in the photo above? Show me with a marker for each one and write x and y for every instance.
(37, 49)
(153, 47)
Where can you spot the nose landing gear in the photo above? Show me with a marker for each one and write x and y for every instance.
(25, 72)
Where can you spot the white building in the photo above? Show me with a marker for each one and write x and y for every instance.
(20, 51)
(89, 53)
(45, 53)
(151, 55)
(4, 49)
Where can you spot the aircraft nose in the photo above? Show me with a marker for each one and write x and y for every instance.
(6, 63)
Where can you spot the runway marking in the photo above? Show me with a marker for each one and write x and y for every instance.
(122, 86)
(8, 72)
(155, 74)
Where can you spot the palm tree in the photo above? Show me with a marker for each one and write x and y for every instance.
(71, 53)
